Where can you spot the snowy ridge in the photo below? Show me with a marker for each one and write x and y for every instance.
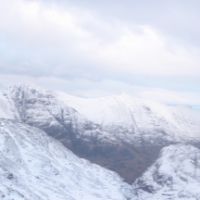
(132, 117)
(138, 115)
(36, 167)
(175, 175)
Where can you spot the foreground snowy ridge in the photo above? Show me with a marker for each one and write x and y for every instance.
(36, 167)
(175, 175)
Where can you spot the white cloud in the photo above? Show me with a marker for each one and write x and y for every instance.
(65, 40)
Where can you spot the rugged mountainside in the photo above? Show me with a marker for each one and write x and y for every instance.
(36, 167)
(121, 133)
(175, 175)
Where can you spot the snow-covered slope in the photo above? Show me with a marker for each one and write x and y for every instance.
(175, 175)
(138, 116)
(36, 167)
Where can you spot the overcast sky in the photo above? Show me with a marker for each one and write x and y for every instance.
(94, 48)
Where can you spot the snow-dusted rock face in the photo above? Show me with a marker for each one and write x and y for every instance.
(36, 167)
(121, 133)
(7, 107)
(42, 109)
(175, 175)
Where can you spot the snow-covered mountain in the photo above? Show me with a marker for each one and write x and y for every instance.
(175, 175)
(121, 133)
(138, 116)
(36, 167)
(132, 117)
